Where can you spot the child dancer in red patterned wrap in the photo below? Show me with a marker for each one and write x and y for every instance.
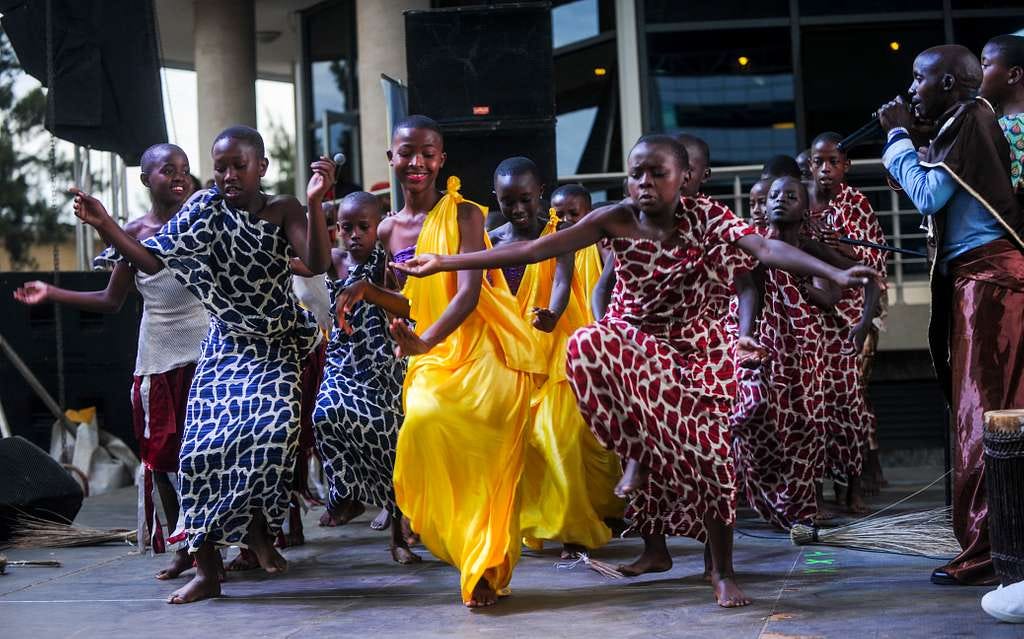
(641, 374)
(850, 418)
(778, 428)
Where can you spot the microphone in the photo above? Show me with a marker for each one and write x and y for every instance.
(339, 160)
(870, 131)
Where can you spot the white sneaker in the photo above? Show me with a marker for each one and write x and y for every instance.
(1005, 604)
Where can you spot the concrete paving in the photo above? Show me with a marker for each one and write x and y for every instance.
(343, 583)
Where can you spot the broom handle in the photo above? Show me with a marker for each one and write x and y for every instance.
(35, 562)
(36, 385)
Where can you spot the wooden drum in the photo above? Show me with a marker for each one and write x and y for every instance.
(1004, 481)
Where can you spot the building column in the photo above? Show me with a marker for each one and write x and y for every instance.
(380, 48)
(225, 61)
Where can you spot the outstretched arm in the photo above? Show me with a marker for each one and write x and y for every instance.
(777, 254)
(109, 300)
(587, 231)
(826, 297)
(91, 211)
(547, 318)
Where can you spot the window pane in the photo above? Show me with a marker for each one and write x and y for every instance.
(842, 91)
(973, 33)
(831, 7)
(574, 21)
(698, 10)
(986, 4)
(586, 97)
(739, 98)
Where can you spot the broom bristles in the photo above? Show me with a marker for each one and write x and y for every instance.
(925, 533)
(29, 531)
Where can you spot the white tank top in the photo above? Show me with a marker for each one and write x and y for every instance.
(174, 324)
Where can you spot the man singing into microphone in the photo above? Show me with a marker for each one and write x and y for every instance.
(962, 187)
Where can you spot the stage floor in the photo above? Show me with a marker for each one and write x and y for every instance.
(343, 583)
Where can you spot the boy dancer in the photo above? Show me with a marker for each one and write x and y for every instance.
(849, 417)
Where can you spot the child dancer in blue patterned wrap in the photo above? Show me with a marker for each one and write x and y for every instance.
(359, 407)
(230, 246)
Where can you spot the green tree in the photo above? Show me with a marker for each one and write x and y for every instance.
(282, 156)
(25, 214)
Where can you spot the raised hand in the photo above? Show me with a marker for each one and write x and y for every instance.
(322, 179)
(89, 209)
(749, 353)
(895, 113)
(347, 299)
(544, 319)
(858, 277)
(419, 265)
(409, 343)
(32, 293)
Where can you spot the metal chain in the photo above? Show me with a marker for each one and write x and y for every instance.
(57, 310)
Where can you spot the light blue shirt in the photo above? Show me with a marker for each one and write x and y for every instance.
(968, 223)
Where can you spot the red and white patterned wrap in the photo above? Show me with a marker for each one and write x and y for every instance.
(848, 414)
(778, 428)
(654, 377)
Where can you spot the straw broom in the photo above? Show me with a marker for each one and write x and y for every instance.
(29, 531)
(926, 533)
(600, 567)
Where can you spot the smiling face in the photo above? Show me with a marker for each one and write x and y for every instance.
(570, 209)
(168, 178)
(519, 199)
(357, 226)
(655, 178)
(417, 155)
(237, 170)
(787, 201)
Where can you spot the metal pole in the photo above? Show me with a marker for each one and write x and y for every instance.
(34, 382)
(628, 58)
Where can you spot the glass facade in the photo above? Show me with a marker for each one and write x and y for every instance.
(759, 78)
(331, 95)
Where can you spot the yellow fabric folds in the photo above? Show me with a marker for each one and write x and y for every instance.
(467, 403)
(568, 477)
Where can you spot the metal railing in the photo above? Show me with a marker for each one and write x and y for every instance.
(908, 275)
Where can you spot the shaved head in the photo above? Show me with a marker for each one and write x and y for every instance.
(957, 61)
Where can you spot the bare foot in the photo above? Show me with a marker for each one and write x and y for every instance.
(342, 514)
(404, 556)
(646, 563)
(855, 497)
(408, 534)
(483, 595)
(571, 551)
(291, 538)
(182, 561)
(823, 514)
(728, 592)
(269, 559)
(633, 479)
(382, 521)
(246, 560)
(197, 589)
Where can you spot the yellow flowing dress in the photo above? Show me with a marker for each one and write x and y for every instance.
(568, 478)
(467, 406)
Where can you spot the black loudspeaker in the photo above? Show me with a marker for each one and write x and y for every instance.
(481, 62)
(99, 357)
(486, 75)
(33, 483)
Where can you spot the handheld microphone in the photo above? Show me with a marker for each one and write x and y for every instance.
(339, 160)
(870, 131)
